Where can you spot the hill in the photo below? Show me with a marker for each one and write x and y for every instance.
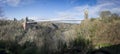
(58, 38)
(47, 35)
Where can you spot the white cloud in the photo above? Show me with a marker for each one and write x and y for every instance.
(11, 2)
(15, 3)
(78, 12)
(117, 2)
(113, 5)
(72, 1)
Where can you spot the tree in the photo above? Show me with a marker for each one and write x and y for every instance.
(105, 14)
(114, 16)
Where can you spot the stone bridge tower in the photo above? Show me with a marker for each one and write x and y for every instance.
(86, 14)
(25, 23)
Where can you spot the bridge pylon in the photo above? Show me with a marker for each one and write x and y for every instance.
(86, 14)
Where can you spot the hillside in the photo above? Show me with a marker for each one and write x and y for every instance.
(47, 34)
(58, 38)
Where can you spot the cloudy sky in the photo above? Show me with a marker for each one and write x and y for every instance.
(57, 9)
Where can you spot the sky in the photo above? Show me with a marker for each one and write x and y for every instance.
(57, 9)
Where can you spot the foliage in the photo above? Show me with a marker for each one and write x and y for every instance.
(103, 45)
(59, 38)
(107, 16)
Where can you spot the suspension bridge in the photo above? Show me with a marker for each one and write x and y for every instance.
(62, 20)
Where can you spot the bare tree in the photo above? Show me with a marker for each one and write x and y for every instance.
(115, 16)
(105, 14)
(108, 16)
